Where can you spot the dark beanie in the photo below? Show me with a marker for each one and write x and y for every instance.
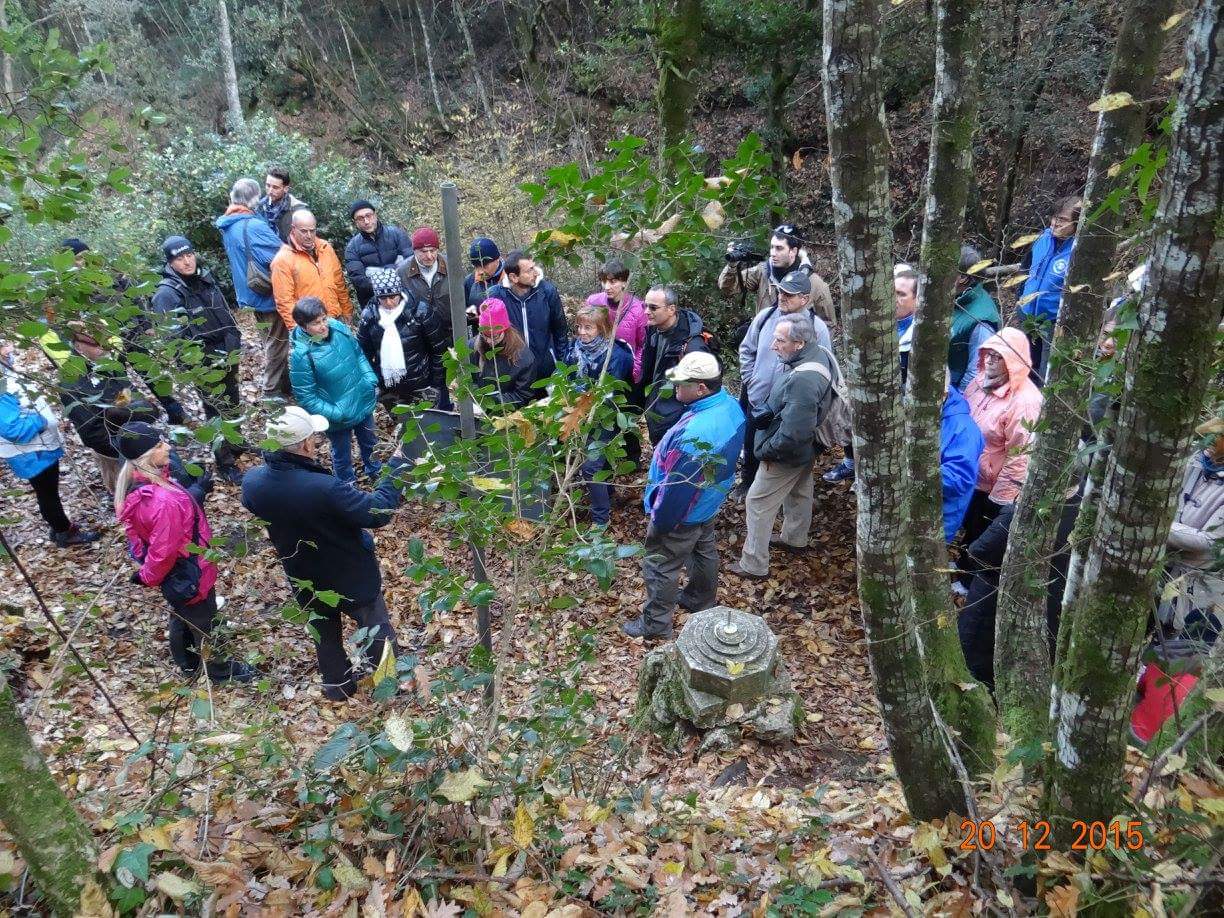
(76, 245)
(174, 246)
(482, 250)
(134, 439)
(360, 204)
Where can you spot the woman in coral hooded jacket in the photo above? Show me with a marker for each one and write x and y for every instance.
(1005, 405)
(161, 519)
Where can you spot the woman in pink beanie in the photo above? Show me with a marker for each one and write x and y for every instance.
(502, 360)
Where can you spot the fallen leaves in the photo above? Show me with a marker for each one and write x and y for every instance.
(462, 786)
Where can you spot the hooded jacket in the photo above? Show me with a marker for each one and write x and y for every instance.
(539, 318)
(297, 273)
(975, 317)
(760, 366)
(236, 223)
(1004, 416)
(92, 402)
(798, 402)
(197, 310)
(317, 523)
(434, 293)
(1050, 259)
(511, 382)
(632, 326)
(386, 247)
(960, 451)
(759, 280)
(424, 341)
(1197, 529)
(160, 523)
(29, 433)
(332, 377)
(663, 351)
(693, 467)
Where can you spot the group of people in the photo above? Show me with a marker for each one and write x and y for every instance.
(342, 336)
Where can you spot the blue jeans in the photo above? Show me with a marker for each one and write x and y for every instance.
(342, 448)
(597, 491)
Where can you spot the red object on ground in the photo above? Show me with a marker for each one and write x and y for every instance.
(1159, 695)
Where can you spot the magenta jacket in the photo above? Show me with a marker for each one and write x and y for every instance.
(159, 524)
(631, 329)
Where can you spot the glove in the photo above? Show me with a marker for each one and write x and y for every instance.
(135, 578)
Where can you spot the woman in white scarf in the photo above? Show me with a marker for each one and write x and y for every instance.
(401, 338)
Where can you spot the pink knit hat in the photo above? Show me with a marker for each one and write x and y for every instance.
(493, 315)
(426, 238)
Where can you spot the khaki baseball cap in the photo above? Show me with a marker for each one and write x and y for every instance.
(696, 367)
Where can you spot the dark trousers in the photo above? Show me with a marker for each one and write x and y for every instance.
(190, 627)
(222, 402)
(46, 492)
(597, 491)
(751, 463)
(154, 380)
(692, 548)
(334, 665)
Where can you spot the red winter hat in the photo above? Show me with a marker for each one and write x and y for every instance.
(493, 315)
(426, 238)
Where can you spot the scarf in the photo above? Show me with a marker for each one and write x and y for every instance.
(391, 352)
(591, 355)
(1211, 470)
(428, 273)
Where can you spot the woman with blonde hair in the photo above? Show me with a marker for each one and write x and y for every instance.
(502, 358)
(162, 518)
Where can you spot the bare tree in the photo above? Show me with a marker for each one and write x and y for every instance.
(1022, 656)
(1168, 365)
(858, 146)
(429, 64)
(949, 173)
(232, 102)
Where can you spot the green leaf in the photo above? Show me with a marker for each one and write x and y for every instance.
(136, 860)
(336, 748)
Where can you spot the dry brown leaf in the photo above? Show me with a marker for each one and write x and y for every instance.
(1063, 901)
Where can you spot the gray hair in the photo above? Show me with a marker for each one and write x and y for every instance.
(245, 192)
(669, 294)
(910, 275)
(300, 215)
(801, 328)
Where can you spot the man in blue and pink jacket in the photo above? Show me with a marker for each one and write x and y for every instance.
(691, 473)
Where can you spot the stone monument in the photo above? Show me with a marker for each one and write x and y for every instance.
(722, 678)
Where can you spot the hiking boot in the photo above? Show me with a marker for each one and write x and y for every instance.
(786, 546)
(843, 471)
(637, 629)
(339, 692)
(735, 569)
(74, 535)
(232, 671)
(230, 474)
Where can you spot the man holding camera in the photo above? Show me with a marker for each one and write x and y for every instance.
(748, 271)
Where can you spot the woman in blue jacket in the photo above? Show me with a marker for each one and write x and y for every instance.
(589, 352)
(30, 443)
(331, 376)
(1048, 260)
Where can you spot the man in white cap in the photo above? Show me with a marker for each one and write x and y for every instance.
(691, 473)
(317, 524)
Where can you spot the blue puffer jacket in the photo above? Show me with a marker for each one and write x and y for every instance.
(707, 439)
(1050, 259)
(539, 318)
(264, 246)
(332, 377)
(960, 449)
(20, 429)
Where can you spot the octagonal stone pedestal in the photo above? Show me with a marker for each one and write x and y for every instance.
(723, 677)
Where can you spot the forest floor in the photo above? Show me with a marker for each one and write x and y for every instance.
(221, 797)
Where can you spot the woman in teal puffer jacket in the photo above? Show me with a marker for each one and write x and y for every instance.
(331, 376)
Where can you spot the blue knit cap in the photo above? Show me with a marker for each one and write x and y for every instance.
(482, 250)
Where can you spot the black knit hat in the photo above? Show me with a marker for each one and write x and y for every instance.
(134, 439)
(174, 246)
(361, 204)
(77, 246)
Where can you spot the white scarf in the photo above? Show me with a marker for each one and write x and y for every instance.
(428, 273)
(391, 353)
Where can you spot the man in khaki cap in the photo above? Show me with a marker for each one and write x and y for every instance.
(691, 473)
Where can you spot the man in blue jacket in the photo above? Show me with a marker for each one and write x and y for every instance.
(246, 235)
(960, 449)
(535, 311)
(691, 473)
(317, 524)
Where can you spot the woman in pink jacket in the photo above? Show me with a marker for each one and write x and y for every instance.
(625, 310)
(161, 519)
(1005, 405)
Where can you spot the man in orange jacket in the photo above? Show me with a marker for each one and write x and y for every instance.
(308, 266)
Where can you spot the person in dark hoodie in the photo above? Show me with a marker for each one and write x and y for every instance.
(193, 308)
(672, 333)
(535, 311)
(375, 245)
(488, 270)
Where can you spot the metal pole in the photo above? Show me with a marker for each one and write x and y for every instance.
(467, 416)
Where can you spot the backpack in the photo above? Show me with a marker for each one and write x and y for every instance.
(256, 277)
(835, 427)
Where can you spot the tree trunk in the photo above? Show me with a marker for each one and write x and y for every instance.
(233, 103)
(949, 171)
(481, 91)
(1022, 654)
(1167, 369)
(677, 43)
(429, 65)
(6, 59)
(858, 145)
(52, 837)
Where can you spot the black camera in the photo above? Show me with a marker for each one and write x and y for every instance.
(744, 250)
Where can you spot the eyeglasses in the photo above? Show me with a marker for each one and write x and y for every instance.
(651, 307)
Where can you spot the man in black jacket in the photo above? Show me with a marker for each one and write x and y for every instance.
(374, 245)
(317, 524)
(673, 332)
(191, 307)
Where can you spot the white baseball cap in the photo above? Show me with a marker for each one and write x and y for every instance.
(698, 366)
(294, 424)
